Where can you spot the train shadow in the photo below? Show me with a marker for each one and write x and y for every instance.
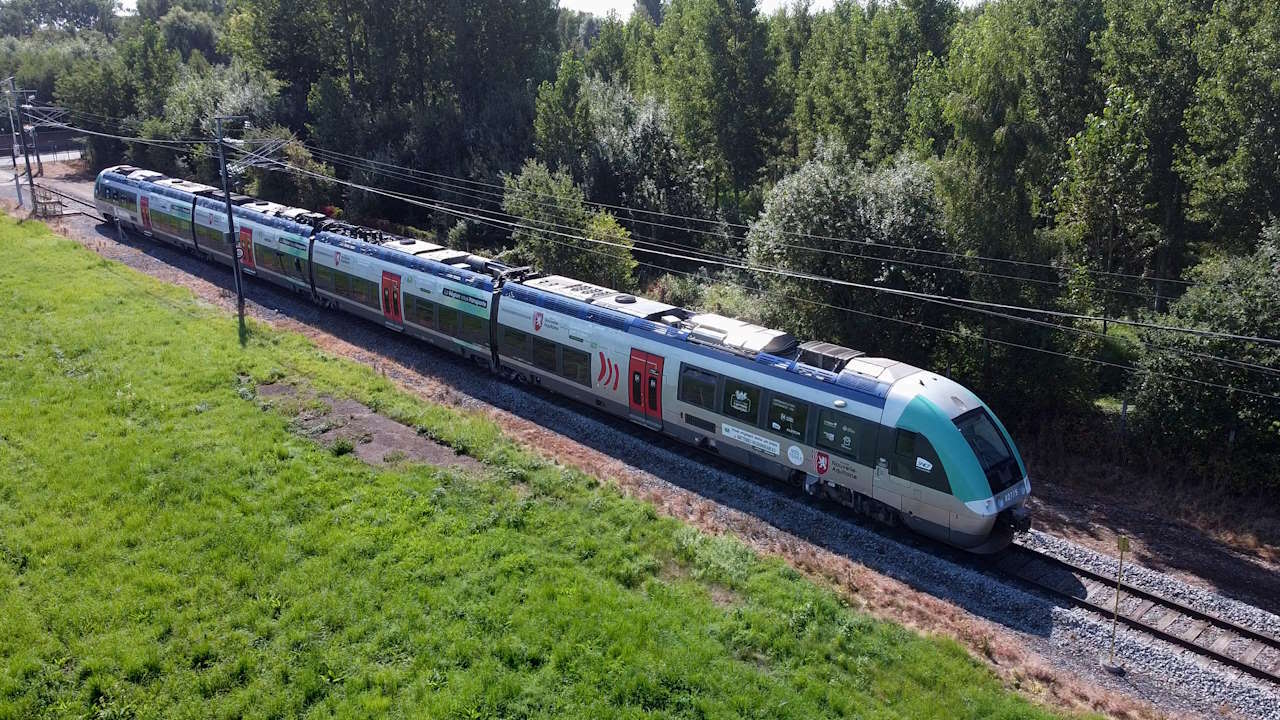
(970, 582)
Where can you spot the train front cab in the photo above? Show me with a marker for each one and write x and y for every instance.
(967, 483)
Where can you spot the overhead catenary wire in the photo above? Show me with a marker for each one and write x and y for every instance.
(282, 166)
(454, 188)
(927, 297)
(953, 332)
(709, 221)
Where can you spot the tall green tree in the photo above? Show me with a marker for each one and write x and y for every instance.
(1148, 49)
(830, 103)
(553, 217)
(1106, 221)
(562, 122)
(1219, 423)
(1232, 156)
(714, 75)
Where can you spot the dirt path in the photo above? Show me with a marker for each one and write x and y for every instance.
(709, 501)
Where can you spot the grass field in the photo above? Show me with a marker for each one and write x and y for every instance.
(168, 548)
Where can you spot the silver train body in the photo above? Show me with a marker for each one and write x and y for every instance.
(886, 438)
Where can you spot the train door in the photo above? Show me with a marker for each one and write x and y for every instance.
(246, 250)
(644, 395)
(145, 209)
(391, 298)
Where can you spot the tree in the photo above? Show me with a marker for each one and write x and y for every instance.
(715, 74)
(190, 31)
(927, 129)
(1106, 221)
(562, 121)
(831, 218)
(553, 215)
(1147, 49)
(1232, 156)
(893, 45)
(1219, 422)
(24, 17)
(830, 103)
(789, 31)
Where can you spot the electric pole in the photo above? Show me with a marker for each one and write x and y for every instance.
(232, 240)
(31, 181)
(13, 126)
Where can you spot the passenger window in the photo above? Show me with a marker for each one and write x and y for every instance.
(448, 321)
(577, 365)
(844, 434)
(544, 354)
(915, 460)
(697, 387)
(514, 343)
(788, 416)
(741, 401)
(653, 393)
(637, 389)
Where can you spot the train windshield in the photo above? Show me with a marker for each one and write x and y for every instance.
(988, 444)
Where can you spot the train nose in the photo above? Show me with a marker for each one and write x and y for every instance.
(1018, 518)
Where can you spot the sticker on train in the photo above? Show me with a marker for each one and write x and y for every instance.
(822, 462)
(537, 321)
(610, 372)
(925, 465)
(757, 442)
(741, 402)
(463, 297)
(795, 455)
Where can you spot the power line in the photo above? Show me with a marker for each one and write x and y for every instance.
(475, 194)
(962, 256)
(926, 297)
(957, 333)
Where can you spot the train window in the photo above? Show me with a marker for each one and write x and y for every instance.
(788, 416)
(846, 435)
(698, 387)
(577, 365)
(544, 354)
(653, 392)
(473, 329)
(448, 320)
(917, 461)
(741, 401)
(637, 388)
(419, 311)
(513, 343)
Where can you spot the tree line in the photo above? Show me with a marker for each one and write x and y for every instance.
(1095, 158)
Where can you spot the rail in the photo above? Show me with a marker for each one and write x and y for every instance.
(1204, 633)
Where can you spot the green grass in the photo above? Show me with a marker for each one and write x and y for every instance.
(169, 549)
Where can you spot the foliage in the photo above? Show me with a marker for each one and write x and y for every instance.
(1106, 221)
(23, 17)
(297, 190)
(1219, 422)
(554, 220)
(714, 76)
(189, 31)
(1232, 157)
(831, 219)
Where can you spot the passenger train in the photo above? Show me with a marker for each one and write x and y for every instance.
(893, 441)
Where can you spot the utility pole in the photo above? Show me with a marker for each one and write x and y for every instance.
(232, 240)
(31, 181)
(13, 126)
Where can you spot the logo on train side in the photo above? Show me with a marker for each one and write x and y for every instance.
(822, 462)
(537, 321)
(610, 372)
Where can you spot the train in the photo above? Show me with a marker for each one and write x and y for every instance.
(892, 441)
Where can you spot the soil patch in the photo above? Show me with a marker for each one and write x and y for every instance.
(344, 425)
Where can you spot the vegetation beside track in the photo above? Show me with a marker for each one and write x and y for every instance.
(170, 549)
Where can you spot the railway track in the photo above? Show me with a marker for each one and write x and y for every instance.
(1205, 634)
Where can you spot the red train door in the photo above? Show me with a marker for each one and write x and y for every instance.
(391, 298)
(644, 391)
(145, 211)
(246, 247)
